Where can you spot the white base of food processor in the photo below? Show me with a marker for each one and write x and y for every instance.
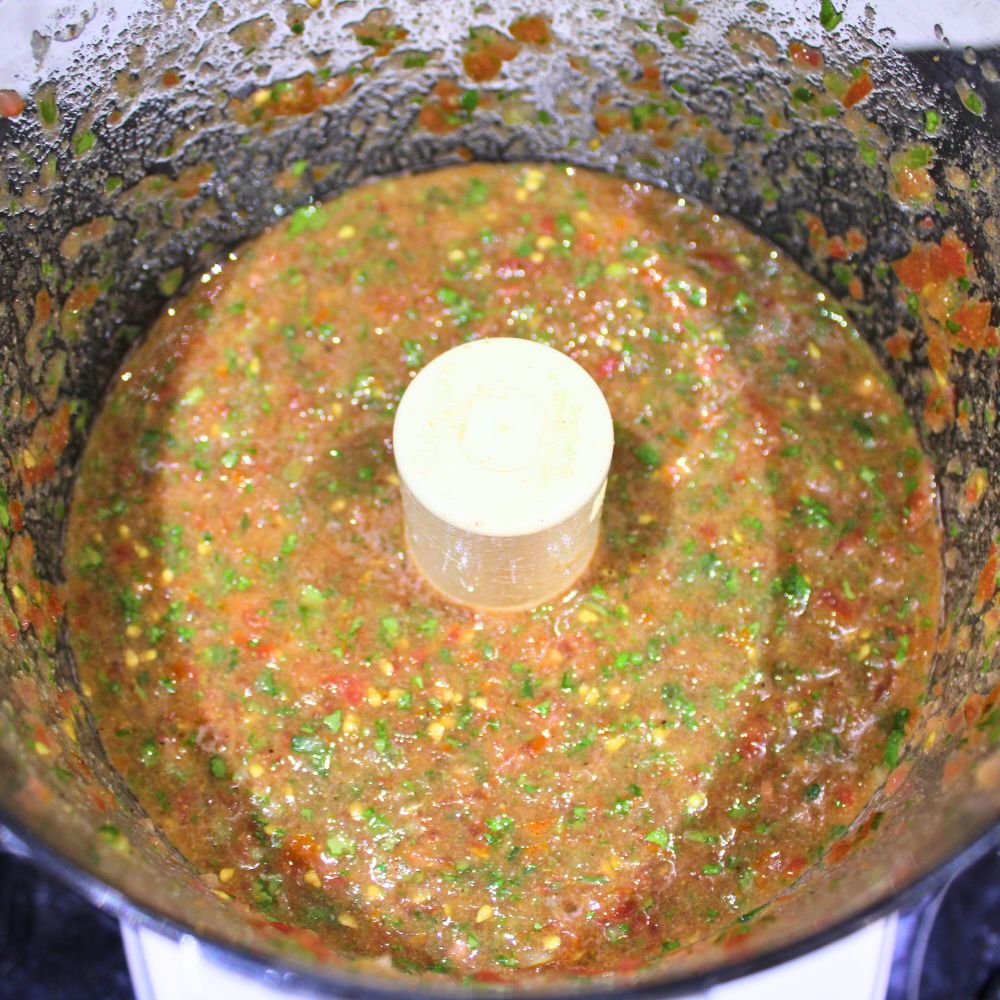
(857, 966)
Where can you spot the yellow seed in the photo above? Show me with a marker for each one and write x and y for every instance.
(254, 366)
(533, 178)
(386, 667)
(814, 351)
(222, 895)
(86, 690)
(483, 914)
(392, 479)
(374, 698)
(551, 941)
(131, 658)
(133, 631)
(167, 576)
(261, 96)
(338, 505)
(838, 464)
(435, 731)
(350, 723)
(140, 550)
(346, 232)
(864, 650)
(314, 3)
(149, 655)
(645, 519)
(520, 195)
(124, 531)
(696, 801)
(336, 409)
(346, 920)
(615, 743)
(814, 403)
(545, 242)
(311, 878)
(41, 749)
(792, 707)
(456, 255)
(930, 740)
(357, 811)
(479, 702)
(659, 735)
(594, 143)
(536, 257)
(225, 874)
(256, 770)
(373, 892)
(587, 617)
(584, 216)
(204, 547)
(29, 459)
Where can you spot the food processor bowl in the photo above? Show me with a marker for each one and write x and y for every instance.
(140, 141)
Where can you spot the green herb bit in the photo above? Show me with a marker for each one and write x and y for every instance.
(390, 628)
(795, 587)
(829, 16)
(897, 737)
(496, 827)
(661, 838)
(814, 512)
(338, 846)
(648, 454)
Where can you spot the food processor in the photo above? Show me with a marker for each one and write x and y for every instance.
(140, 142)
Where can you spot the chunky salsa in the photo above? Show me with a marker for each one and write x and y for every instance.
(641, 763)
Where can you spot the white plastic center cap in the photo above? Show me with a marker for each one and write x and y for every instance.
(502, 439)
(503, 431)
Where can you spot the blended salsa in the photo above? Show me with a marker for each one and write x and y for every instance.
(581, 787)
